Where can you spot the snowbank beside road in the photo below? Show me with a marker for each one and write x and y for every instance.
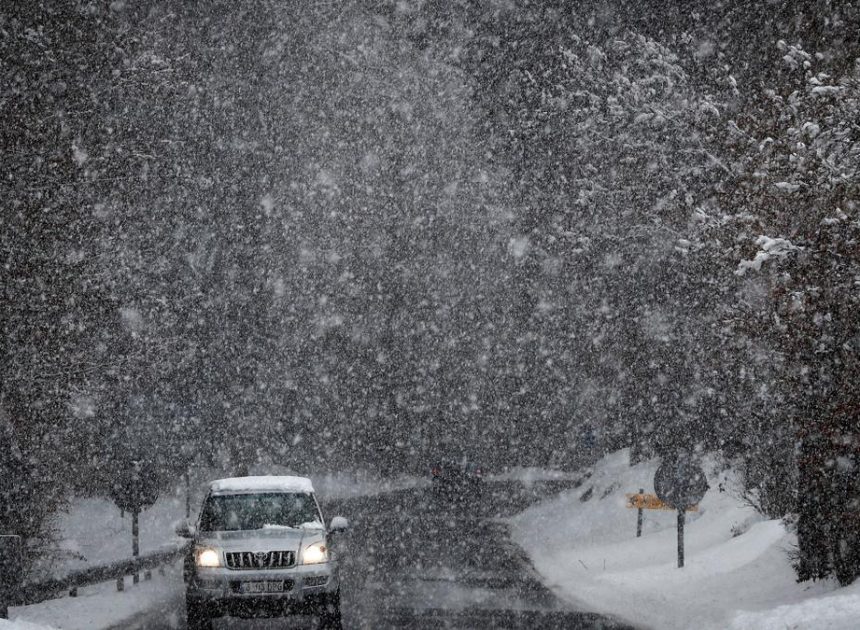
(101, 606)
(93, 533)
(839, 610)
(737, 574)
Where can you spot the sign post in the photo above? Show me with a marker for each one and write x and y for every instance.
(134, 490)
(11, 571)
(639, 517)
(187, 494)
(680, 483)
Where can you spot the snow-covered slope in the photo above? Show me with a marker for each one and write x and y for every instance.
(737, 574)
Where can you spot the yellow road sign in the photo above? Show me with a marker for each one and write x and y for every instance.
(651, 502)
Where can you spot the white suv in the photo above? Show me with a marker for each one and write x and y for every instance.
(260, 548)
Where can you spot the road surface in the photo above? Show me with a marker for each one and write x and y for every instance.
(413, 559)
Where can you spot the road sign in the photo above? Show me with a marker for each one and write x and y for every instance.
(652, 502)
(135, 487)
(681, 483)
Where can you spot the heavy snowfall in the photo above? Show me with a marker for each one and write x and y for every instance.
(531, 313)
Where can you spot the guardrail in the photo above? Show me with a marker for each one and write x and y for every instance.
(35, 592)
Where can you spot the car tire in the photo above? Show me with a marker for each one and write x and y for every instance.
(197, 617)
(329, 613)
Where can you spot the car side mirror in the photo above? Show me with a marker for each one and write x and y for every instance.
(184, 529)
(338, 524)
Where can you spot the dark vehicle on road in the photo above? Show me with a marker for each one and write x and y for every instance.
(260, 548)
(456, 478)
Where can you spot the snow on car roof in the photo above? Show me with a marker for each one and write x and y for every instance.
(265, 483)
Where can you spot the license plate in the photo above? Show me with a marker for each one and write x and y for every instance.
(262, 587)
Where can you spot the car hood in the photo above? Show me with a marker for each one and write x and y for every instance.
(275, 539)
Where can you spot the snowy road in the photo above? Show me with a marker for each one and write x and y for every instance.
(418, 561)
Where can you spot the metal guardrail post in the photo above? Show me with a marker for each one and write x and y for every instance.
(11, 572)
(187, 494)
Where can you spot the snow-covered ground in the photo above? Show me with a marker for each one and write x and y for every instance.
(92, 533)
(100, 605)
(738, 574)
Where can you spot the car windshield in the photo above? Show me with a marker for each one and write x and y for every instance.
(259, 511)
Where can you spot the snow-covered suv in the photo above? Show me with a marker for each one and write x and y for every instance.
(260, 548)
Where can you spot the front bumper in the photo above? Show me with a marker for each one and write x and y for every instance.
(304, 586)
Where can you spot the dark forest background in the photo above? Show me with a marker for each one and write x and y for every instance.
(364, 234)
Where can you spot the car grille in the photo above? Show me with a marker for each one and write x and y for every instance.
(260, 560)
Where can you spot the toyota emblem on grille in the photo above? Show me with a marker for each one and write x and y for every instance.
(261, 557)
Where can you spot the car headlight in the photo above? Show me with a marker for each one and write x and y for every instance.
(208, 558)
(315, 553)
